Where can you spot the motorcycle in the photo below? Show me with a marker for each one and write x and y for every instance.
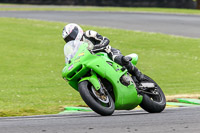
(106, 86)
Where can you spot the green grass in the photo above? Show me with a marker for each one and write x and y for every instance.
(13, 7)
(32, 60)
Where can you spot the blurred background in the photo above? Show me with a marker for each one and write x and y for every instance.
(191, 4)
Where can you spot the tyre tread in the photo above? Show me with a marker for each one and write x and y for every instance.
(89, 100)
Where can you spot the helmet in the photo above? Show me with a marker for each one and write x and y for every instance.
(72, 32)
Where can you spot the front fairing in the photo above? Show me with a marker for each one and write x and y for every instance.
(74, 51)
(71, 49)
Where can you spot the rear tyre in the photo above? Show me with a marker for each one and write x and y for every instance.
(103, 105)
(153, 103)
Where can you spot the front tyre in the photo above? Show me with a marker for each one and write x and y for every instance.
(103, 105)
(153, 103)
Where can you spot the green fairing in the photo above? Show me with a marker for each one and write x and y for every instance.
(134, 60)
(83, 62)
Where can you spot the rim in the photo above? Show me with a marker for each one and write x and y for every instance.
(156, 98)
(103, 100)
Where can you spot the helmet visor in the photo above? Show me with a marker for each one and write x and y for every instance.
(72, 35)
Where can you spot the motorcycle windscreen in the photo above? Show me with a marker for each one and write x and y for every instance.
(70, 49)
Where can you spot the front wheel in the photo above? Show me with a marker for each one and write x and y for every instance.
(101, 104)
(153, 103)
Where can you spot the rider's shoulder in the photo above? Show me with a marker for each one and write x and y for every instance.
(91, 33)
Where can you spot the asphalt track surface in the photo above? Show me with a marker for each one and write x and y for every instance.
(175, 24)
(173, 120)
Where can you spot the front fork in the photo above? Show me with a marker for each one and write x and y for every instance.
(93, 79)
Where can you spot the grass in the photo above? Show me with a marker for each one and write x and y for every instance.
(32, 60)
(13, 7)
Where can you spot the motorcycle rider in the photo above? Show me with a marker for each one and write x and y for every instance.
(99, 43)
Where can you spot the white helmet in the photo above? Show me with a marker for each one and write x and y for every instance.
(72, 32)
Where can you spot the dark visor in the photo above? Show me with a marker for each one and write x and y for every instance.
(72, 35)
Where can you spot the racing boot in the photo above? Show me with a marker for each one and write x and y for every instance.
(132, 69)
(139, 76)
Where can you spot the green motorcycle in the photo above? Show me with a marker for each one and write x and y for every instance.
(106, 86)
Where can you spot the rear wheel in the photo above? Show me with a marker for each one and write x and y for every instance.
(153, 103)
(102, 104)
